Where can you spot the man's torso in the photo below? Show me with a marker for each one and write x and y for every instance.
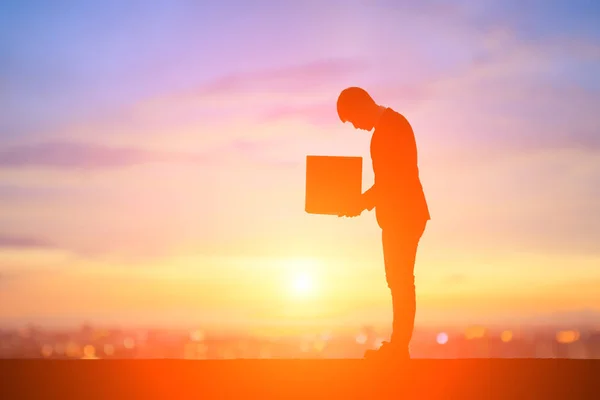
(400, 197)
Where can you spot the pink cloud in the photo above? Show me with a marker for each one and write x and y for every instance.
(227, 103)
(89, 156)
(77, 155)
(23, 242)
(317, 114)
(291, 78)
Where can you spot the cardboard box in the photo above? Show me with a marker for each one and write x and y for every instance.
(332, 183)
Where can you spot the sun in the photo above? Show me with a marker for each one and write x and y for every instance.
(301, 276)
(302, 283)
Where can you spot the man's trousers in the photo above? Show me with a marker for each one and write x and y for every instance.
(399, 253)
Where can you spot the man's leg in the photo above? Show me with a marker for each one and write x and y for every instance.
(399, 251)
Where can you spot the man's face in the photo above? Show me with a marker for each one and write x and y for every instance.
(361, 121)
(360, 115)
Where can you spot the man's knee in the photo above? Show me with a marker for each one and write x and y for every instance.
(401, 282)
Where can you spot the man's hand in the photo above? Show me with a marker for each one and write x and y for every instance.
(354, 209)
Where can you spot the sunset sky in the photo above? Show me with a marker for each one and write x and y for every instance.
(152, 158)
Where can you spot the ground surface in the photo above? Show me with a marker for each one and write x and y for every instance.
(179, 379)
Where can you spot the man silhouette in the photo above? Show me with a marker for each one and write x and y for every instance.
(400, 207)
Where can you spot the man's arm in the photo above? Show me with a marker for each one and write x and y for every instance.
(367, 201)
(369, 198)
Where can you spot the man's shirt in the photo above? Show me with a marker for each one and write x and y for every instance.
(397, 194)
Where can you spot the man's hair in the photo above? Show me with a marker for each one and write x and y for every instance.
(350, 100)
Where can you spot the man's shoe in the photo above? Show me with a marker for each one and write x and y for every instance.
(388, 352)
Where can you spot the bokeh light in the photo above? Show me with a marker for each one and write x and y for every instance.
(89, 352)
(442, 338)
(197, 335)
(506, 336)
(566, 337)
(109, 349)
(128, 343)
(361, 338)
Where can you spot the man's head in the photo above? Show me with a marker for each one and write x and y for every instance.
(355, 105)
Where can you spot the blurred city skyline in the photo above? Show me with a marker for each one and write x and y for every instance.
(96, 342)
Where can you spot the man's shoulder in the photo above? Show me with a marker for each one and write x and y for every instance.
(394, 120)
(393, 114)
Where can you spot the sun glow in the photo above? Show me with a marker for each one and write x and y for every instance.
(302, 283)
(302, 276)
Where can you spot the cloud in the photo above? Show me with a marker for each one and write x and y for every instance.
(294, 78)
(320, 114)
(89, 156)
(20, 192)
(222, 109)
(69, 156)
(511, 92)
(262, 96)
(23, 242)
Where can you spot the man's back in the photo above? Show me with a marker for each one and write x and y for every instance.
(399, 194)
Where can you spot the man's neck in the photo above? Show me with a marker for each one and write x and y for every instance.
(380, 111)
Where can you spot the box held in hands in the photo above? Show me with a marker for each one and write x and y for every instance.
(332, 183)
